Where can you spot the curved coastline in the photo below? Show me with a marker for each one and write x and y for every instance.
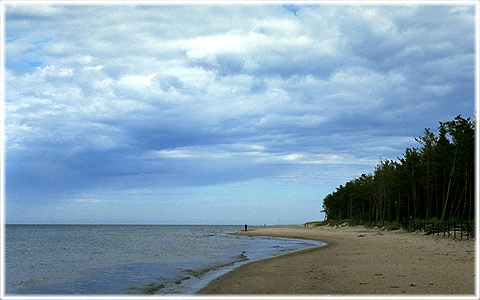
(217, 272)
(356, 261)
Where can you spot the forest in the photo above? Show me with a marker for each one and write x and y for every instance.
(432, 182)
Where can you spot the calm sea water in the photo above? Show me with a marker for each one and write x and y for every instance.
(126, 259)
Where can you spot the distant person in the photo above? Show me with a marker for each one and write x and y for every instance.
(245, 227)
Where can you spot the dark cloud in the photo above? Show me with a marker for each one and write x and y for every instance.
(104, 98)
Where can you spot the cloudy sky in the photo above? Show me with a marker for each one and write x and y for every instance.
(219, 114)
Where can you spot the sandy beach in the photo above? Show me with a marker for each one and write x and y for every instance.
(357, 261)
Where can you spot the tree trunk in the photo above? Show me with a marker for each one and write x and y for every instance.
(448, 188)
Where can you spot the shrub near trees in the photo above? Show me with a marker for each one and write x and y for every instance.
(435, 181)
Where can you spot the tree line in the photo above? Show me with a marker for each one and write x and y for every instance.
(434, 181)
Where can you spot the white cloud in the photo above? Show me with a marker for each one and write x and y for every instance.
(83, 200)
(378, 23)
(178, 153)
(136, 81)
(438, 90)
(209, 45)
(192, 87)
(34, 10)
(293, 156)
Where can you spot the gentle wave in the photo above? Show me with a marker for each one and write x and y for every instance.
(107, 259)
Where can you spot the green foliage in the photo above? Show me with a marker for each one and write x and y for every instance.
(334, 223)
(433, 182)
(410, 228)
(395, 225)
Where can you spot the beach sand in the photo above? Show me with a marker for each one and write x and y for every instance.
(357, 261)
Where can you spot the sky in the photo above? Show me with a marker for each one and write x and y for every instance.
(219, 114)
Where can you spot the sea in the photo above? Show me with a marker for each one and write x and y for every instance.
(129, 259)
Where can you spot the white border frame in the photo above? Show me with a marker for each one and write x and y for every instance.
(233, 2)
(2, 151)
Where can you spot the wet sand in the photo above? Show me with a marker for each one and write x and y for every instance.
(357, 261)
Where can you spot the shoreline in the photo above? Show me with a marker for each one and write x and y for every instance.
(356, 261)
(218, 272)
